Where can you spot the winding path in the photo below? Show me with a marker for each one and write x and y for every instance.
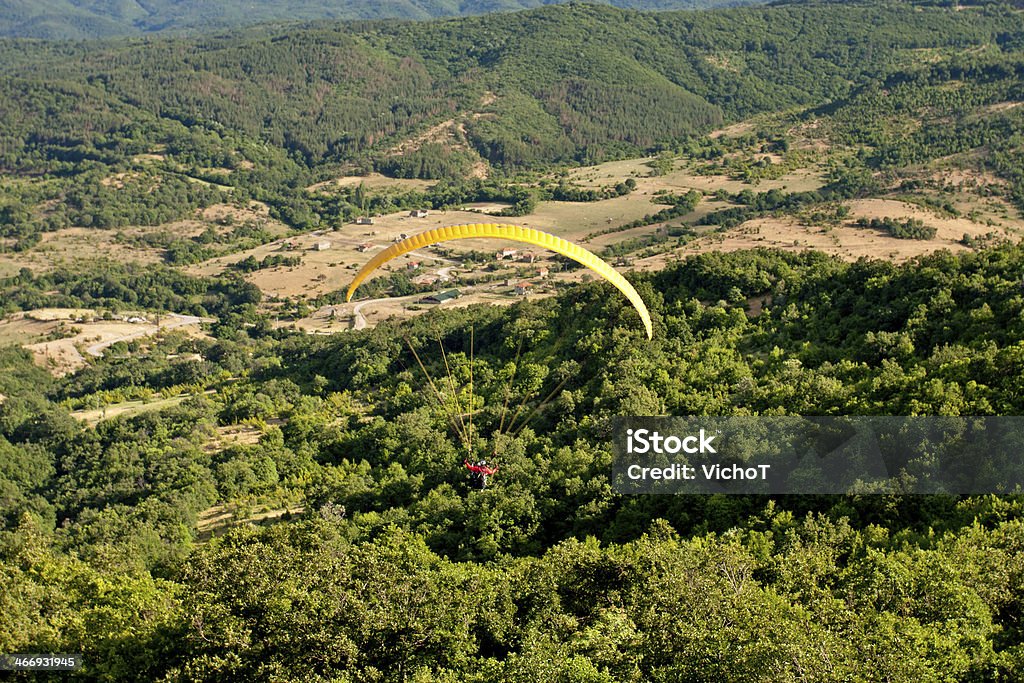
(357, 310)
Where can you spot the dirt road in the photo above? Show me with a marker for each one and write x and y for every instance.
(98, 348)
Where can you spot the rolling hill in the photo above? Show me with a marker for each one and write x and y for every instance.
(822, 205)
(553, 85)
(77, 19)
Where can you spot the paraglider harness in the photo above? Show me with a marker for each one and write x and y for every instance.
(479, 472)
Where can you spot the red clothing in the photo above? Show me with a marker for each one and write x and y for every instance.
(486, 471)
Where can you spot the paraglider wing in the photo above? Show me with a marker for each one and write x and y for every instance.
(517, 233)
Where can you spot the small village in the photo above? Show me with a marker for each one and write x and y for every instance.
(459, 273)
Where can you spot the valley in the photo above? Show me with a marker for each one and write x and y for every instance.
(214, 468)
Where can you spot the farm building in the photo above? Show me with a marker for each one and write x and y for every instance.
(412, 265)
(418, 213)
(364, 220)
(322, 245)
(524, 288)
(365, 246)
(543, 272)
(441, 297)
(425, 280)
(507, 252)
(527, 257)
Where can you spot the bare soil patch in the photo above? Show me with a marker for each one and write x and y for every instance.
(73, 245)
(373, 181)
(733, 131)
(61, 338)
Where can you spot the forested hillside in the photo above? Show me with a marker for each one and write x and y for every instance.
(397, 569)
(214, 469)
(267, 112)
(77, 19)
(564, 83)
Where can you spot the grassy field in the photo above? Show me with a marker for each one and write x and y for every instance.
(847, 240)
(92, 417)
(218, 519)
(332, 269)
(684, 177)
(594, 224)
(78, 246)
(9, 267)
(373, 181)
(21, 330)
(60, 339)
(573, 220)
(330, 258)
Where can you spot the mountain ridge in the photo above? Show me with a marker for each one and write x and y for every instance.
(617, 82)
(86, 19)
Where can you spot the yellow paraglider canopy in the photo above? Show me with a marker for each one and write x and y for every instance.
(517, 233)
